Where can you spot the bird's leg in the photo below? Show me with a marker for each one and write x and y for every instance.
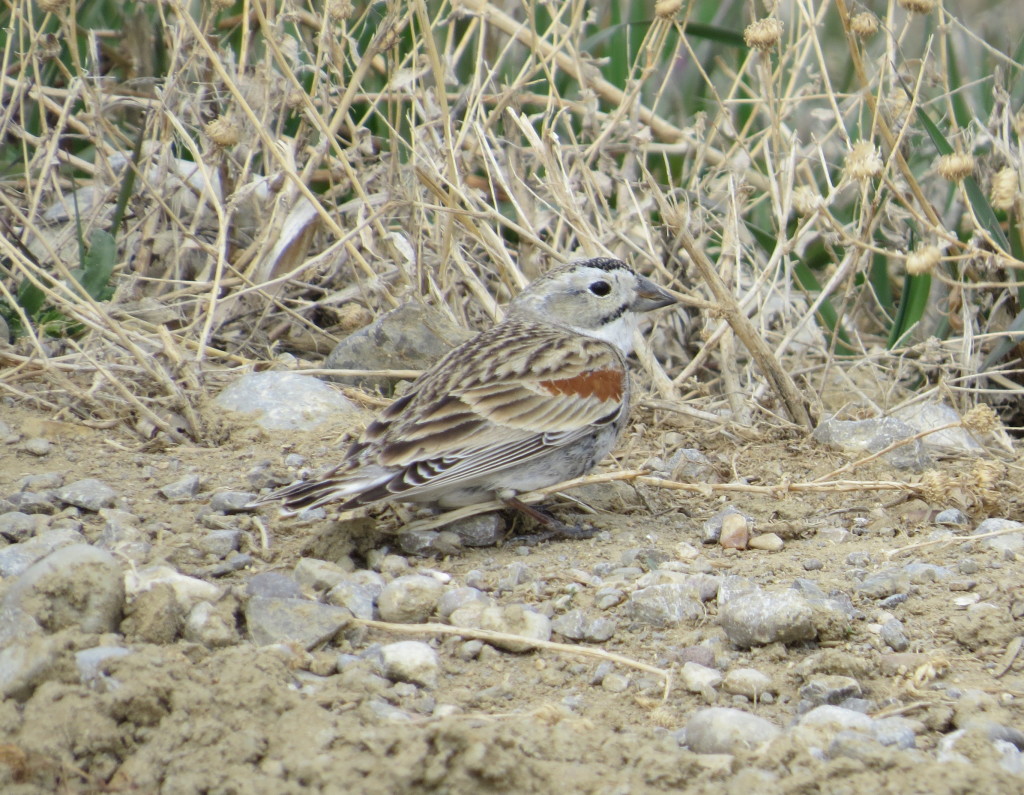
(553, 529)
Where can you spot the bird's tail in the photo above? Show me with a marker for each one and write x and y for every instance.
(339, 487)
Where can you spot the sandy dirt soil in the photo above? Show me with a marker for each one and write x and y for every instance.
(237, 718)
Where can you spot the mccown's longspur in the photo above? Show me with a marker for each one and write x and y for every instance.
(539, 398)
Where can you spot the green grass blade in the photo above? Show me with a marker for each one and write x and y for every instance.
(913, 302)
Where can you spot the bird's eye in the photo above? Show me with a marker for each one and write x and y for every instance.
(601, 288)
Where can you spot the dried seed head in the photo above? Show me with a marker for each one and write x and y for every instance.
(807, 201)
(222, 132)
(981, 419)
(918, 6)
(956, 167)
(666, 9)
(339, 10)
(923, 260)
(936, 486)
(53, 6)
(1005, 188)
(764, 34)
(988, 474)
(863, 162)
(865, 24)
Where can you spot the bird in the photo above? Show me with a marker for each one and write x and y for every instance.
(539, 398)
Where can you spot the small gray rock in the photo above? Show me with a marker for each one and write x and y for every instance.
(359, 599)
(274, 620)
(724, 730)
(182, 489)
(76, 586)
(33, 502)
(699, 678)
(747, 682)
(1009, 542)
(510, 620)
(482, 530)
(89, 494)
(410, 599)
(27, 663)
(577, 625)
(286, 401)
(893, 636)
(410, 661)
(18, 557)
(872, 435)
(757, 619)
(273, 584)
(410, 337)
(456, 598)
(220, 543)
(232, 501)
(884, 583)
(664, 605)
(16, 526)
(38, 446)
(212, 626)
(830, 689)
(320, 575)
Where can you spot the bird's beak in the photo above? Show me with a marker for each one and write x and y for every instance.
(651, 296)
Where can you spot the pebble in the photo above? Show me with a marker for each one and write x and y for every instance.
(32, 502)
(410, 661)
(725, 730)
(410, 599)
(187, 590)
(893, 635)
(1008, 542)
(615, 683)
(482, 530)
(884, 584)
(411, 336)
(511, 619)
(699, 678)
(220, 543)
(274, 620)
(711, 530)
(89, 494)
(359, 599)
(76, 586)
(181, 490)
(212, 626)
(16, 526)
(14, 559)
(578, 625)
(757, 619)
(952, 516)
(830, 689)
(872, 435)
(232, 501)
(767, 542)
(455, 598)
(284, 401)
(28, 662)
(734, 532)
(747, 682)
(38, 446)
(812, 564)
(320, 575)
(273, 583)
(664, 605)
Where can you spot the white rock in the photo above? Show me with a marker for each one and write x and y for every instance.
(699, 678)
(188, 591)
(747, 682)
(410, 661)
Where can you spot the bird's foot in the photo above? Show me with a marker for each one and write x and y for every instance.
(553, 529)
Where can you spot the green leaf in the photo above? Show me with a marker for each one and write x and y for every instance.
(913, 302)
(98, 264)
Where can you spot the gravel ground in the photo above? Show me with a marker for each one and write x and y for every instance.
(155, 638)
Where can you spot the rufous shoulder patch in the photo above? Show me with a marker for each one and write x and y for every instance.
(601, 384)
